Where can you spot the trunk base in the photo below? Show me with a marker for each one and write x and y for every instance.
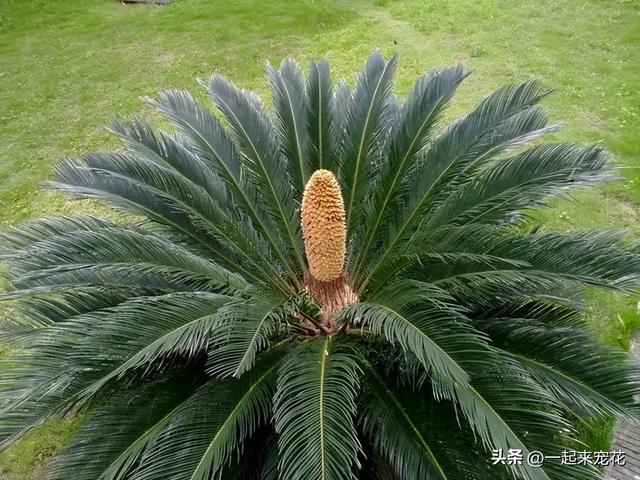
(332, 296)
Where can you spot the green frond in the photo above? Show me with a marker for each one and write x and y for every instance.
(218, 148)
(77, 360)
(22, 236)
(140, 139)
(204, 433)
(314, 410)
(127, 423)
(394, 434)
(482, 286)
(419, 437)
(244, 329)
(366, 123)
(418, 115)
(168, 329)
(320, 123)
(422, 320)
(500, 192)
(588, 378)
(150, 278)
(267, 168)
(208, 138)
(111, 246)
(491, 128)
(533, 263)
(291, 104)
(506, 407)
(142, 188)
(35, 312)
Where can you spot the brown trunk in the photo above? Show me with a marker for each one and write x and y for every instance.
(332, 296)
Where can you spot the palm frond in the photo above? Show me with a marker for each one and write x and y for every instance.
(110, 246)
(394, 433)
(321, 125)
(211, 141)
(314, 410)
(420, 437)
(267, 168)
(500, 192)
(127, 423)
(19, 237)
(244, 329)
(495, 125)
(78, 360)
(366, 123)
(490, 426)
(422, 320)
(202, 435)
(588, 378)
(417, 117)
(165, 198)
(533, 263)
(506, 408)
(291, 104)
(142, 140)
(30, 313)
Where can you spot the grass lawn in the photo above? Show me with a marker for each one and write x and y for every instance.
(67, 66)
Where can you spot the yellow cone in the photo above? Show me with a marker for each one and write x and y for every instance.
(323, 226)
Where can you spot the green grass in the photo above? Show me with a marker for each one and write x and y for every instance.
(22, 460)
(67, 66)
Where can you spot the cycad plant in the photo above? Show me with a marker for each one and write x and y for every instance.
(330, 287)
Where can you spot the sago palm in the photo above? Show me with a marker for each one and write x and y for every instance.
(330, 287)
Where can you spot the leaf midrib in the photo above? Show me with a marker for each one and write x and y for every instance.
(232, 414)
(361, 145)
(425, 337)
(296, 133)
(408, 154)
(253, 338)
(274, 194)
(429, 453)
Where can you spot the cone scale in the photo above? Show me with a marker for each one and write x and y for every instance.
(323, 226)
(325, 239)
